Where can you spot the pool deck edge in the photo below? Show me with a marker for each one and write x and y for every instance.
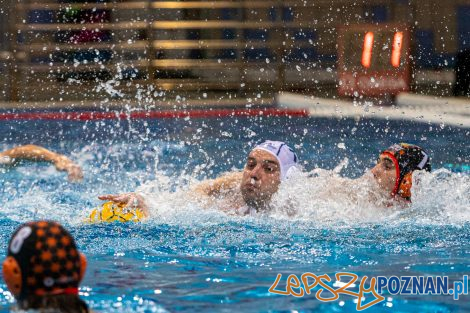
(417, 108)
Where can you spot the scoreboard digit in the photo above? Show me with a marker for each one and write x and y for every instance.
(367, 50)
(373, 60)
(396, 49)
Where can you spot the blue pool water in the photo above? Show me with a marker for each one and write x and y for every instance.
(188, 259)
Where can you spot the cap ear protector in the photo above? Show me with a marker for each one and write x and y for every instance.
(397, 171)
(83, 265)
(12, 275)
(14, 278)
(404, 190)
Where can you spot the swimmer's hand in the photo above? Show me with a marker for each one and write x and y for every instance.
(73, 170)
(131, 200)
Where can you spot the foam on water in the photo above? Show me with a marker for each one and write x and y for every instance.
(327, 199)
(440, 197)
(321, 196)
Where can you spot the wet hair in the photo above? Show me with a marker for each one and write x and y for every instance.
(56, 303)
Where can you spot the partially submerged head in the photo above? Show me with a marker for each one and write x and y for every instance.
(395, 167)
(267, 165)
(43, 268)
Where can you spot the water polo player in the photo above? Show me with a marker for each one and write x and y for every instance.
(395, 167)
(267, 165)
(36, 153)
(43, 268)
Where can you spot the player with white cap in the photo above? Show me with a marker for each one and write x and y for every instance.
(267, 165)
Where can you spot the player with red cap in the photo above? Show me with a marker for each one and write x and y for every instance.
(395, 167)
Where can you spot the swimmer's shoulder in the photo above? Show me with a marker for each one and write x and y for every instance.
(225, 183)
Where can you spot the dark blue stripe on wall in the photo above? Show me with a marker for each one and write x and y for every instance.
(424, 48)
(379, 13)
(426, 56)
(41, 16)
(258, 54)
(287, 14)
(463, 20)
(256, 34)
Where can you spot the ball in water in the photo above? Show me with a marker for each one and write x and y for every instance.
(115, 212)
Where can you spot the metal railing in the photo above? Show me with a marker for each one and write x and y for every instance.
(237, 47)
(259, 46)
(5, 75)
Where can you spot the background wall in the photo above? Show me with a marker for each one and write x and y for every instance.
(440, 29)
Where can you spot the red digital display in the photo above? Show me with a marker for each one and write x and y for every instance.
(396, 50)
(367, 50)
(373, 60)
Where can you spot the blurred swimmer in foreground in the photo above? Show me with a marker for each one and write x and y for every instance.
(43, 269)
(36, 153)
(251, 190)
(395, 167)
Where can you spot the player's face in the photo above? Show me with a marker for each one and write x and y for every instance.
(385, 173)
(261, 178)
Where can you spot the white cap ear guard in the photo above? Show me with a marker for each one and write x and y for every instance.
(293, 171)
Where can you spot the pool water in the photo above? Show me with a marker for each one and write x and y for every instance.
(189, 259)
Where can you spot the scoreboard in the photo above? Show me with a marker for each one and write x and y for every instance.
(373, 60)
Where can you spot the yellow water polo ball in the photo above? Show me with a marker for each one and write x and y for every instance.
(115, 212)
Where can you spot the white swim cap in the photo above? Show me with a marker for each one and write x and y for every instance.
(284, 154)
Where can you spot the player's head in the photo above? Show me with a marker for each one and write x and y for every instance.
(395, 167)
(43, 268)
(267, 165)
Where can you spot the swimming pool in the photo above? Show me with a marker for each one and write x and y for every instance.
(188, 259)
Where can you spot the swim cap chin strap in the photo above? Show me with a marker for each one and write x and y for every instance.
(406, 158)
(397, 171)
(58, 291)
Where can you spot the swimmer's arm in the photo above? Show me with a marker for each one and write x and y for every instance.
(225, 182)
(37, 153)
